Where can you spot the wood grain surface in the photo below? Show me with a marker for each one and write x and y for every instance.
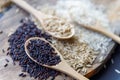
(9, 23)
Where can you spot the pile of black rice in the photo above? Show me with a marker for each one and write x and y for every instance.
(43, 52)
(16, 50)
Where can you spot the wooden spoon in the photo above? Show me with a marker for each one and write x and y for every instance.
(102, 30)
(62, 66)
(41, 17)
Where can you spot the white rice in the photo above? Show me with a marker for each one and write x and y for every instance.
(85, 12)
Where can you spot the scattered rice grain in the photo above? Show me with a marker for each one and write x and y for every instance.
(105, 66)
(117, 71)
(3, 50)
(101, 59)
(17, 10)
(6, 60)
(112, 61)
(1, 32)
(5, 65)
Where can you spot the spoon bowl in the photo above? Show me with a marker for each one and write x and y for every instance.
(62, 66)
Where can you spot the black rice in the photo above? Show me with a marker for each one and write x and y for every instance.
(43, 52)
(3, 50)
(22, 75)
(1, 32)
(5, 65)
(17, 52)
(6, 60)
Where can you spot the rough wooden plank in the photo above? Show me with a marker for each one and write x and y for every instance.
(8, 24)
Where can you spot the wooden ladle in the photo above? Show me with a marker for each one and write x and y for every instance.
(41, 17)
(62, 66)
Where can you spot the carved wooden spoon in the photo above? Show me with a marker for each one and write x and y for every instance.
(60, 33)
(61, 66)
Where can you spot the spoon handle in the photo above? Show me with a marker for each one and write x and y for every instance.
(104, 32)
(113, 11)
(26, 7)
(64, 67)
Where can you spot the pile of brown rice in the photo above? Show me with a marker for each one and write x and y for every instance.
(58, 26)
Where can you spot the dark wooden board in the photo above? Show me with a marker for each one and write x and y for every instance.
(8, 24)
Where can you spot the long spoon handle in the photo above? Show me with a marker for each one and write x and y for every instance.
(104, 32)
(26, 7)
(64, 67)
